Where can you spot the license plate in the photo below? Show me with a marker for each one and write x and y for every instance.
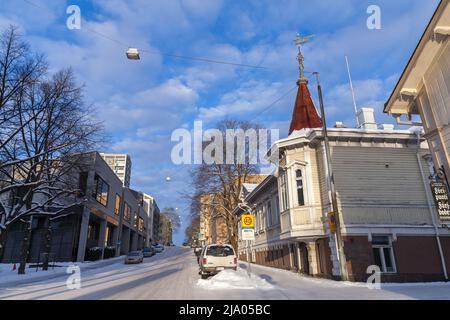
(220, 268)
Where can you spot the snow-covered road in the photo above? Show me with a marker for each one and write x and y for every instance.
(173, 274)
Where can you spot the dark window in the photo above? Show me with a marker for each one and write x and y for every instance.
(300, 192)
(217, 251)
(127, 212)
(101, 191)
(82, 183)
(383, 253)
(93, 231)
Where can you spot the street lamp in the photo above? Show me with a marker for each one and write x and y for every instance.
(133, 54)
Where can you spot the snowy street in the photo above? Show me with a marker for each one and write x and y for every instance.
(173, 274)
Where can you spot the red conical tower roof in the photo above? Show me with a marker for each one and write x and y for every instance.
(305, 114)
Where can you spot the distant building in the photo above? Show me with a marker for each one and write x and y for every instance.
(121, 165)
(156, 224)
(151, 208)
(214, 220)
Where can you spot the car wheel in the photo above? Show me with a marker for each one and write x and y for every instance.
(204, 276)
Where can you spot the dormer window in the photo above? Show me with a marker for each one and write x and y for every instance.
(300, 187)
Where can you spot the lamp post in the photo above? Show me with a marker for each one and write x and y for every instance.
(339, 241)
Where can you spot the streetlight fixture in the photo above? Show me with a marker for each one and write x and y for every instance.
(133, 54)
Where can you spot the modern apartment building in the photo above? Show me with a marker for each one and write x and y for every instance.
(107, 217)
(121, 165)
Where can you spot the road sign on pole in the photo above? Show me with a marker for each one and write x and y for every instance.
(248, 221)
(248, 234)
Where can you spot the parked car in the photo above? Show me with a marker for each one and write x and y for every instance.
(158, 248)
(134, 257)
(148, 252)
(215, 258)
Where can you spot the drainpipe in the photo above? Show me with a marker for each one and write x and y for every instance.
(430, 207)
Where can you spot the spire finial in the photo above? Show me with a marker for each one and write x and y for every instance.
(299, 41)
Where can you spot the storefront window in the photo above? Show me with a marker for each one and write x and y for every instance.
(383, 253)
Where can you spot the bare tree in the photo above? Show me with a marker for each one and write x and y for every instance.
(47, 130)
(18, 68)
(223, 181)
(172, 215)
(192, 230)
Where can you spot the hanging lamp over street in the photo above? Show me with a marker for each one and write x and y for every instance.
(133, 54)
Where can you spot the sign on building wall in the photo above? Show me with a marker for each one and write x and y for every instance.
(332, 222)
(441, 198)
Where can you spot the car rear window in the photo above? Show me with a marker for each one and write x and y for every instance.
(217, 251)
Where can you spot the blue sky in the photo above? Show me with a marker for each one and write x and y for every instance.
(142, 102)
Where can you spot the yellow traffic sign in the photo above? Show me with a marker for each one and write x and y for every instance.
(332, 222)
(248, 221)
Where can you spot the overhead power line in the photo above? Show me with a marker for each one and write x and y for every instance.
(275, 102)
(154, 52)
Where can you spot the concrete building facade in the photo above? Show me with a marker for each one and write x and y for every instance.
(121, 165)
(108, 219)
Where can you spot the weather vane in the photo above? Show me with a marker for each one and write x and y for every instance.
(299, 41)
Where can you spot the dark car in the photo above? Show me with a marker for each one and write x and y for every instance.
(148, 252)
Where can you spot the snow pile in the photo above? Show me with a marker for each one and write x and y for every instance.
(229, 279)
(8, 275)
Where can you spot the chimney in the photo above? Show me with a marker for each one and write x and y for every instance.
(387, 127)
(366, 119)
(339, 125)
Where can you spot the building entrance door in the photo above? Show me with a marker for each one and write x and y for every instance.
(304, 256)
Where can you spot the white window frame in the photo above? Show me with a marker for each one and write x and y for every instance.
(381, 248)
(284, 191)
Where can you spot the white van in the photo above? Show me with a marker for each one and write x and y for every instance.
(215, 258)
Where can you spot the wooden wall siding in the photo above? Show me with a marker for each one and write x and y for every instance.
(386, 215)
(437, 82)
(316, 179)
(361, 176)
(301, 216)
(285, 221)
(321, 172)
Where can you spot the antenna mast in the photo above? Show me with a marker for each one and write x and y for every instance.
(353, 92)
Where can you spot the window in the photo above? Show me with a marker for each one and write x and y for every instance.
(141, 224)
(127, 212)
(269, 213)
(218, 251)
(117, 206)
(101, 191)
(93, 231)
(82, 183)
(300, 191)
(277, 210)
(383, 253)
(284, 192)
